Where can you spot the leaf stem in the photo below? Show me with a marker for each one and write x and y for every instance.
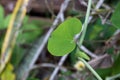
(85, 23)
(84, 28)
(91, 69)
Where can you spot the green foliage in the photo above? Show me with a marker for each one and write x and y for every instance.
(6, 21)
(111, 71)
(82, 55)
(62, 41)
(95, 31)
(61, 78)
(104, 72)
(98, 31)
(25, 21)
(67, 73)
(116, 16)
(97, 34)
(1, 16)
(17, 56)
(7, 74)
(77, 53)
(28, 33)
(32, 79)
(116, 66)
(73, 57)
(64, 74)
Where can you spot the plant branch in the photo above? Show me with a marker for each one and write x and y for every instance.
(98, 5)
(58, 67)
(85, 23)
(84, 28)
(49, 65)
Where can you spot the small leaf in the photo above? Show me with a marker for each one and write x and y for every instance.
(116, 16)
(8, 73)
(1, 16)
(82, 55)
(61, 41)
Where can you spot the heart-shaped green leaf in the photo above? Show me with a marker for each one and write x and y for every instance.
(61, 41)
(116, 16)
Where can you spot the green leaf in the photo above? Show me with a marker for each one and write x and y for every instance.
(7, 20)
(27, 31)
(25, 20)
(95, 31)
(8, 73)
(82, 55)
(61, 41)
(116, 66)
(103, 72)
(1, 16)
(73, 57)
(17, 55)
(116, 16)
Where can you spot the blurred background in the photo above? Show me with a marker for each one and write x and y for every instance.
(102, 39)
